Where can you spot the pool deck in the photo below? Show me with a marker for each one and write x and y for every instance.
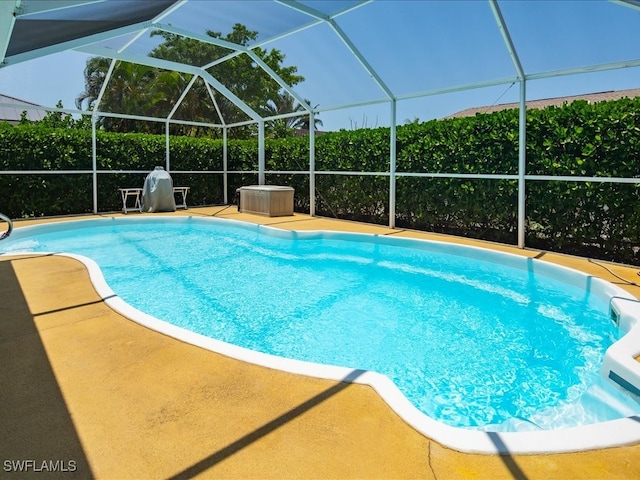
(107, 398)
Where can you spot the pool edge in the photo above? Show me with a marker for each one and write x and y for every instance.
(616, 433)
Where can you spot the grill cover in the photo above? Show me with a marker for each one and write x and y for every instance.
(157, 193)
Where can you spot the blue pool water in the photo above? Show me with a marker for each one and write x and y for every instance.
(470, 341)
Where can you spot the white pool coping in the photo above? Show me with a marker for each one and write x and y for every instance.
(619, 358)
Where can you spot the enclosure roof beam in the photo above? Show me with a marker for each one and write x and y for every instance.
(506, 37)
(313, 23)
(628, 3)
(75, 44)
(155, 20)
(40, 30)
(459, 88)
(7, 21)
(168, 11)
(345, 39)
(182, 97)
(200, 37)
(238, 48)
(601, 67)
(35, 7)
(103, 88)
(171, 66)
(215, 103)
(254, 56)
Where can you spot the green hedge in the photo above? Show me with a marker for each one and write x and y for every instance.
(596, 219)
(593, 219)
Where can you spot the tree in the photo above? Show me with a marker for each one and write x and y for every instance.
(95, 72)
(59, 120)
(133, 89)
(140, 90)
(285, 127)
(239, 74)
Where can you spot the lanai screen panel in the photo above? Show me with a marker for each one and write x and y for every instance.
(51, 27)
(560, 35)
(425, 46)
(333, 75)
(269, 19)
(398, 50)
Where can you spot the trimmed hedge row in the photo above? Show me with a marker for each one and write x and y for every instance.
(594, 219)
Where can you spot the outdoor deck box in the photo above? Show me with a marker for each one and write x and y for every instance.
(270, 200)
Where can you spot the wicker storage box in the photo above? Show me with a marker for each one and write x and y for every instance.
(270, 200)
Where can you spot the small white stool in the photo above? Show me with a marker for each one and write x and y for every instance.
(182, 191)
(131, 192)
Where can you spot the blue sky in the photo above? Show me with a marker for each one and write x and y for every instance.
(415, 46)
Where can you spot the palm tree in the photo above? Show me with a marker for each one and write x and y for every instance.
(95, 72)
(129, 92)
(285, 127)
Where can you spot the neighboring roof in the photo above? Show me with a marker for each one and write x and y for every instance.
(12, 114)
(547, 102)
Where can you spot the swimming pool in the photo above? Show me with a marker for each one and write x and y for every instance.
(385, 293)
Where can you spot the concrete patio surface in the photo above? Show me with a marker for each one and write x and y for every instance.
(107, 398)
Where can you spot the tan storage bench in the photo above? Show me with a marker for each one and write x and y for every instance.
(270, 200)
